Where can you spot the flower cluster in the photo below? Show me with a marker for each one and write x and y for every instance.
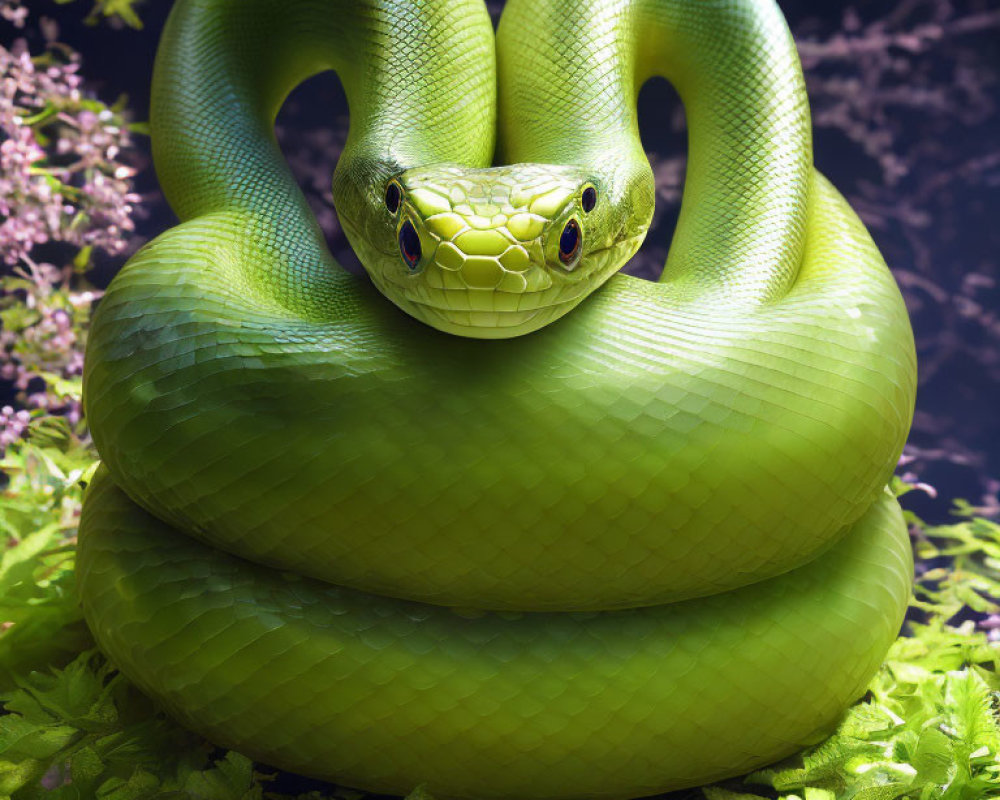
(63, 169)
(13, 425)
(45, 312)
(66, 169)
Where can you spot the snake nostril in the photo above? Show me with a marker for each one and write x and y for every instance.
(409, 245)
(569, 242)
(589, 199)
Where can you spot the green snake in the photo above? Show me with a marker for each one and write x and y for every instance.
(554, 532)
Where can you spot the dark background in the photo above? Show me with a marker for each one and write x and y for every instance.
(904, 96)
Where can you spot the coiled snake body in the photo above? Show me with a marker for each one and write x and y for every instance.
(644, 547)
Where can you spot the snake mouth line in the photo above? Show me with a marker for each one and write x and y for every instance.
(463, 294)
(465, 313)
(480, 322)
(479, 319)
(476, 311)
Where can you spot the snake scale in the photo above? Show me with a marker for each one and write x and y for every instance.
(554, 532)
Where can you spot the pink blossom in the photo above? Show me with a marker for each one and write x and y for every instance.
(75, 188)
(13, 425)
(14, 12)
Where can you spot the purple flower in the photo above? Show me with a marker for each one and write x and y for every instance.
(64, 158)
(14, 12)
(13, 424)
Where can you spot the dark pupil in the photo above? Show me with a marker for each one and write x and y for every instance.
(589, 199)
(409, 244)
(569, 242)
(392, 197)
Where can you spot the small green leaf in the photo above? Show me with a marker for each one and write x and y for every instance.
(232, 778)
(81, 262)
(420, 793)
(889, 791)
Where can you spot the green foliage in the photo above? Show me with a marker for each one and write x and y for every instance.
(929, 727)
(85, 732)
(40, 622)
(927, 735)
(125, 10)
(970, 576)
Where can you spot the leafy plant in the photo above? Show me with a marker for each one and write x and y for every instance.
(40, 622)
(929, 726)
(85, 732)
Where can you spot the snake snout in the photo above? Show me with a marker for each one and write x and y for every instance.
(489, 253)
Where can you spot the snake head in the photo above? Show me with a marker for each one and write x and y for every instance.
(498, 252)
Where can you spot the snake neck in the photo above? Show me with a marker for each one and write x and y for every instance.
(740, 235)
(224, 69)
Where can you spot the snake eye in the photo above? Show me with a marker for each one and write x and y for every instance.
(569, 242)
(588, 199)
(409, 245)
(393, 194)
